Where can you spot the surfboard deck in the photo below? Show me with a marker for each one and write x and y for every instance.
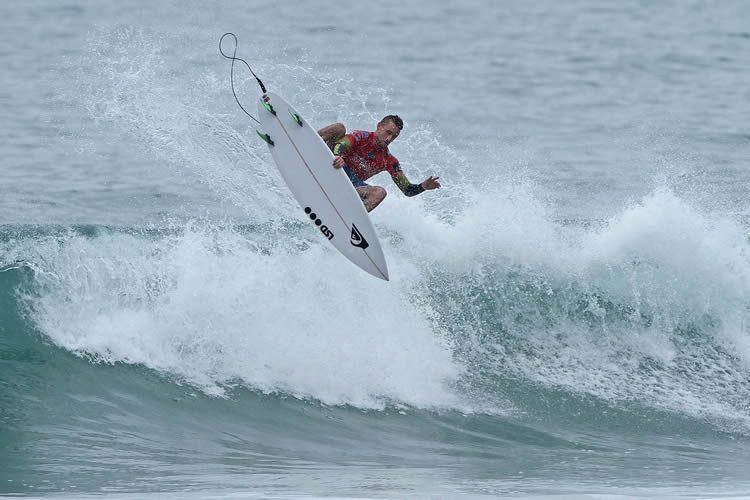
(325, 193)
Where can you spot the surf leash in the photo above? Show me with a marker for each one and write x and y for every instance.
(234, 58)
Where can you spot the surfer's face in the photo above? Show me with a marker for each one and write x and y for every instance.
(386, 132)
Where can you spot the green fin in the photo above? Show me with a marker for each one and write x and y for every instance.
(265, 137)
(270, 109)
(296, 117)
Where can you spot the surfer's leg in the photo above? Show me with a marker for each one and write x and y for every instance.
(371, 196)
(332, 133)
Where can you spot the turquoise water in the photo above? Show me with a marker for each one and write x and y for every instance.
(567, 315)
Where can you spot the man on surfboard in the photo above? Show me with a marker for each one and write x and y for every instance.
(363, 154)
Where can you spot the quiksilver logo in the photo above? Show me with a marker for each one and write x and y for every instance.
(358, 240)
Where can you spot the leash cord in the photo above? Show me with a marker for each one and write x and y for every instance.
(234, 58)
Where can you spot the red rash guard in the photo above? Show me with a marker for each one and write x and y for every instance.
(365, 158)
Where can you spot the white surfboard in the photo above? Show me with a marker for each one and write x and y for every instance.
(325, 193)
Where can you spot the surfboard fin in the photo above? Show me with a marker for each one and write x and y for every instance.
(270, 109)
(296, 117)
(265, 137)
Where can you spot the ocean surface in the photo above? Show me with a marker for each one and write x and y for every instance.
(568, 315)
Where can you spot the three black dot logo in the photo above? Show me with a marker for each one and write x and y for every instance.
(323, 229)
(313, 216)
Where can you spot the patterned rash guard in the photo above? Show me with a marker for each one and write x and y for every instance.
(365, 158)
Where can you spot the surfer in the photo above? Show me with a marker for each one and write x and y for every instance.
(363, 154)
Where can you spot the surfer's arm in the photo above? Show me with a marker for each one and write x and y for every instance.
(338, 149)
(406, 187)
(348, 141)
(332, 133)
(341, 146)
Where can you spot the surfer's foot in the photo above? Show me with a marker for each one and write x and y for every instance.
(332, 133)
(371, 196)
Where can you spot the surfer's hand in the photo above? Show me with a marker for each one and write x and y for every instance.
(338, 162)
(431, 183)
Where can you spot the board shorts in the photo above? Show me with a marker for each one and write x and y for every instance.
(356, 181)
